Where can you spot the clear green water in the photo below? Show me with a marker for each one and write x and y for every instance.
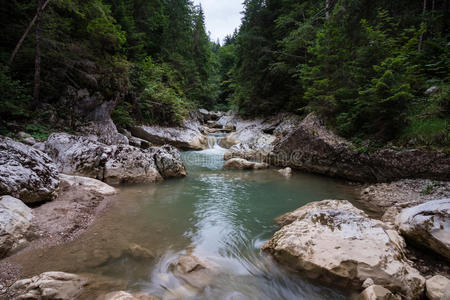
(224, 216)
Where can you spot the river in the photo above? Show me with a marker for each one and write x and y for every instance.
(220, 215)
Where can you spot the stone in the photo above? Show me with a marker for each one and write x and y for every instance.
(121, 295)
(29, 141)
(139, 143)
(438, 288)
(87, 184)
(15, 224)
(139, 252)
(377, 292)
(104, 132)
(242, 164)
(286, 172)
(368, 282)
(428, 225)
(186, 137)
(196, 272)
(313, 148)
(168, 162)
(26, 173)
(115, 164)
(335, 242)
(432, 90)
(49, 285)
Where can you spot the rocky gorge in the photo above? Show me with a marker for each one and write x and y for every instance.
(362, 245)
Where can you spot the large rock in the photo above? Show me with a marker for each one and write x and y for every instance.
(78, 155)
(428, 225)
(87, 184)
(438, 288)
(63, 286)
(254, 139)
(15, 224)
(26, 173)
(49, 285)
(104, 132)
(242, 164)
(187, 137)
(312, 147)
(333, 241)
(169, 162)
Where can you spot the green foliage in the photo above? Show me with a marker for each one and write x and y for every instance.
(39, 131)
(15, 99)
(360, 69)
(430, 188)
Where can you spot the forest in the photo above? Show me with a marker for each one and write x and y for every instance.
(373, 70)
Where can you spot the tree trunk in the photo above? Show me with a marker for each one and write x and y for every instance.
(419, 47)
(327, 9)
(37, 62)
(20, 42)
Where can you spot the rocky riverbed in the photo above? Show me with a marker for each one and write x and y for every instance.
(395, 242)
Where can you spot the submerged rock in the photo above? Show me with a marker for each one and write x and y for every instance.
(428, 225)
(121, 295)
(49, 285)
(26, 173)
(78, 155)
(312, 147)
(438, 288)
(242, 164)
(15, 224)
(197, 273)
(87, 184)
(333, 241)
(63, 286)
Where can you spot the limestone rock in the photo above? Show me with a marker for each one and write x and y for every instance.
(121, 295)
(87, 184)
(26, 173)
(49, 285)
(377, 292)
(428, 225)
(333, 241)
(312, 147)
(242, 164)
(79, 155)
(438, 288)
(187, 137)
(197, 273)
(286, 172)
(15, 224)
(168, 162)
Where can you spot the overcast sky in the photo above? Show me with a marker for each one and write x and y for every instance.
(222, 16)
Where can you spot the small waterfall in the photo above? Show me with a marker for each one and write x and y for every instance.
(212, 141)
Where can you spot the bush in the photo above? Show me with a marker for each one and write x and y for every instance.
(15, 98)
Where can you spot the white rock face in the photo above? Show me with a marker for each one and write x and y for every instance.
(15, 223)
(26, 173)
(187, 137)
(78, 155)
(438, 288)
(49, 285)
(242, 164)
(428, 224)
(86, 183)
(333, 241)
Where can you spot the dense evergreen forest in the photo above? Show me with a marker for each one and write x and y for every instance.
(371, 69)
